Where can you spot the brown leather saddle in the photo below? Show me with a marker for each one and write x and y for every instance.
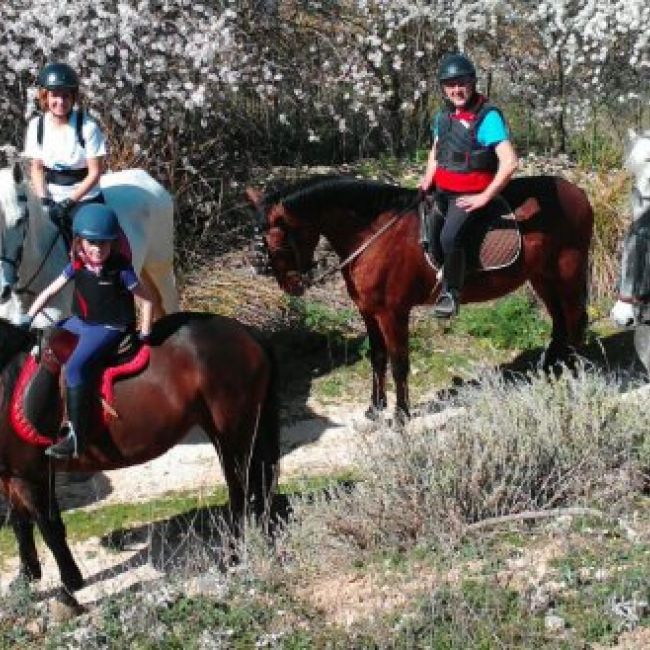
(492, 240)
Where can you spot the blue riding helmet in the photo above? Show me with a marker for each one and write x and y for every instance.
(456, 65)
(58, 76)
(96, 222)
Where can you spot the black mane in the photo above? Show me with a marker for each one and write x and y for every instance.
(366, 198)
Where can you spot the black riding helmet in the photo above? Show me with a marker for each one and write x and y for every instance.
(58, 76)
(457, 65)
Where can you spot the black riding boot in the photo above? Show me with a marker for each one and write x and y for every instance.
(453, 274)
(78, 402)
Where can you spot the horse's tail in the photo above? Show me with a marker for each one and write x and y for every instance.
(265, 459)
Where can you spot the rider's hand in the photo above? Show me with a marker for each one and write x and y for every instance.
(471, 202)
(60, 213)
(65, 206)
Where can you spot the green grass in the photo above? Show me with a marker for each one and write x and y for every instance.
(481, 335)
(511, 323)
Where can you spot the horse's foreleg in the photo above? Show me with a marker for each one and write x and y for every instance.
(379, 363)
(42, 505)
(23, 527)
(395, 330)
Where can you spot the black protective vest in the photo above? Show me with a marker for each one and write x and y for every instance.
(457, 147)
(103, 298)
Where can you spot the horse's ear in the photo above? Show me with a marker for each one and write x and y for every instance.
(254, 196)
(18, 173)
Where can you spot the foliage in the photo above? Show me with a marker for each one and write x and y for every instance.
(202, 93)
(513, 322)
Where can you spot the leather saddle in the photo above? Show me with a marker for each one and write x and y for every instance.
(491, 241)
(36, 409)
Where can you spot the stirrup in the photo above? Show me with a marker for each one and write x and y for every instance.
(65, 448)
(446, 306)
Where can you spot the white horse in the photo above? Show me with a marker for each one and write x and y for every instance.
(33, 253)
(632, 308)
(637, 162)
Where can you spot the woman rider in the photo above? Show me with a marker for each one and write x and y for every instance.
(65, 145)
(471, 161)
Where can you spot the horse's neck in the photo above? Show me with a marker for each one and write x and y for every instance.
(44, 251)
(346, 233)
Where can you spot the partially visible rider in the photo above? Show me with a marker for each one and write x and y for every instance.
(103, 311)
(66, 147)
(470, 162)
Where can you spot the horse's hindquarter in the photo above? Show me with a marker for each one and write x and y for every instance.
(146, 214)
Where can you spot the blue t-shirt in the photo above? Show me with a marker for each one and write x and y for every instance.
(491, 131)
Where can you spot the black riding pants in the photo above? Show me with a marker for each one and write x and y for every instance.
(455, 222)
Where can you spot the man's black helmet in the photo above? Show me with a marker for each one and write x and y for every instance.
(58, 76)
(456, 65)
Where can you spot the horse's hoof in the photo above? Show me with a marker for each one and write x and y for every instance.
(64, 606)
(401, 417)
(373, 413)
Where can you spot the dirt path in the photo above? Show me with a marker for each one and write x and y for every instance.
(320, 444)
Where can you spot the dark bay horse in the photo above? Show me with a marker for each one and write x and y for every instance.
(374, 229)
(203, 370)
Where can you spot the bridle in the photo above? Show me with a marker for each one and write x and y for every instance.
(261, 248)
(290, 245)
(21, 197)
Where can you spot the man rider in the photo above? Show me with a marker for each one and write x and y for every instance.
(470, 162)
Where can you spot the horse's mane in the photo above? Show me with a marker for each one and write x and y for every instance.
(365, 198)
(8, 192)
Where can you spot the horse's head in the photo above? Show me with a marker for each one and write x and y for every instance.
(14, 221)
(637, 162)
(283, 244)
(633, 306)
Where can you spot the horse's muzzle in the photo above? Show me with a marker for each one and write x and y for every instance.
(294, 284)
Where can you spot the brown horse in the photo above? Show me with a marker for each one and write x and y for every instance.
(203, 370)
(374, 228)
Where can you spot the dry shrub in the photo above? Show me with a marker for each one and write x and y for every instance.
(533, 443)
(609, 196)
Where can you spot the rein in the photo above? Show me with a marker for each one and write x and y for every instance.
(357, 252)
(26, 287)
